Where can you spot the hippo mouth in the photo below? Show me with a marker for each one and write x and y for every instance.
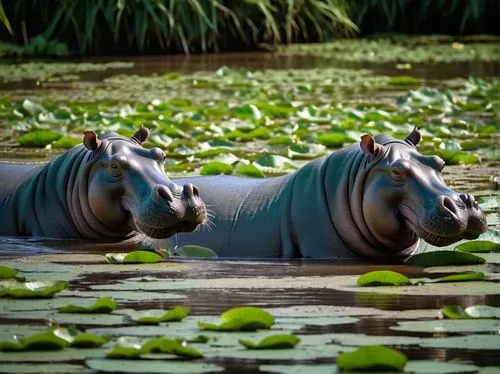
(165, 231)
(444, 231)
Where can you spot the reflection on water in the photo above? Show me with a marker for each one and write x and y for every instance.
(147, 65)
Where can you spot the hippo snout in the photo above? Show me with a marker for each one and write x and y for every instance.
(453, 217)
(163, 194)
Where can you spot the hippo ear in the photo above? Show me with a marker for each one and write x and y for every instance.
(141, 135)
(414, 137)
(90, 140)
(368, 145)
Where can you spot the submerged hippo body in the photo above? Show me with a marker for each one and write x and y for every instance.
(108, 188)
(372, 199)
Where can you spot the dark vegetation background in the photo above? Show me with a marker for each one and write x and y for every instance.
(102, 27)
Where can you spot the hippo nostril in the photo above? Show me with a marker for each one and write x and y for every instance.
(188, 190)
(447, 206)
(196, 191)
(164, 193)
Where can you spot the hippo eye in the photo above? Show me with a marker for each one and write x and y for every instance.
(115, 168)
(399, 172)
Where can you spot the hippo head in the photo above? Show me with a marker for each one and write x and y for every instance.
(405, 197)
(129, 192)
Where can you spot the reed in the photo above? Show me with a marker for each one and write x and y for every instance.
(171, 25)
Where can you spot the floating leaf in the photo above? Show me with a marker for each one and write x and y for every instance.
(51, 339)
(383, 278)
(479, 246)
(280, 341)
(124, 352)
(103, 305)
(66, 142)
(453, 312)
(461, 277)
(195, 251)
(440, 258)
(241, 319)
(216, 168)
(87, 340)
(164, 345)
(372, 358)
(157, 316)
(333, 139)
(7, 272)
(250, 171)
(36, 289)
(38, 138)
(403, 80)
(482, 311)
(135, 257)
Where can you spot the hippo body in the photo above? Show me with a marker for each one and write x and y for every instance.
(109, 188)
(373, 199)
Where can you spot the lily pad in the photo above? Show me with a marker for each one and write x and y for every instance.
(164, 345)
(135, 257)
(280, 341)
(152, 317)
(479, 246)
(124, 352)
(7, 272)
(453, 312)
(103, 305)
(52, 339)
(250, 170)
(216, 168)
(86, 340)
(482, 311)
(440, 258)
(383, 278)
(38, 138)
(241, 319)
(150, 366)
(461, 277)
(195, 251)
(372, 358)
(28, 290)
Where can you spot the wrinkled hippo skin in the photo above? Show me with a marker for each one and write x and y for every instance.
(374, 199)
(109, 189)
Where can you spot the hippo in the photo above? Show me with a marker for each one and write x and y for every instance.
(109, 188)
(373, 199)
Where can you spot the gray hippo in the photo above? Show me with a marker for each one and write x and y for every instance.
(109, 189)
(372, 199)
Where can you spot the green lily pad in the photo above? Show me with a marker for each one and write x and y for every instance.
(333, 139)
(216, 168)
(372, 358)
(404, 80)
(195, 251)
(66, 142)
(86, 340)
(453, 312)
(124, 352)
(28, 290)
(250, 170)
(461, 277)
(479, 246)
(164, 345)
(150, 317)
(383, 278)
(135, 257)
(103, 305)
(51, 339)
(440, 258)
(7, 272)
(280, 341)
(482, 311)
(241, 319)
(38, 138)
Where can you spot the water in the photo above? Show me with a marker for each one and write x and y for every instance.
(475, 179)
